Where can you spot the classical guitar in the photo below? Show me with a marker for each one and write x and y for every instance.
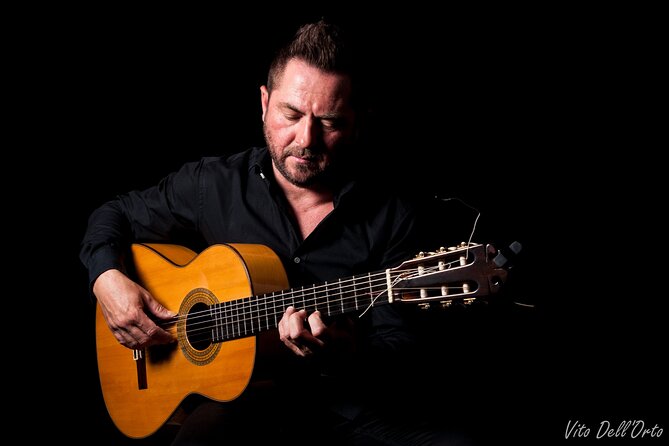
(228, 294)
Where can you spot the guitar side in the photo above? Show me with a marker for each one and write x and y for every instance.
(141, 395)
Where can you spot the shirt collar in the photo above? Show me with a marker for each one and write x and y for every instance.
(260, 163)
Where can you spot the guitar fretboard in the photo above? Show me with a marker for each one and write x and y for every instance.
(252, 315)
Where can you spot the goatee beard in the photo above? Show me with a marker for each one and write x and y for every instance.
(304, 175)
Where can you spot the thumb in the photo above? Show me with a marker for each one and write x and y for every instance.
(156, 308)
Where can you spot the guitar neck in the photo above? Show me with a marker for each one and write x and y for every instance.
(251, 315)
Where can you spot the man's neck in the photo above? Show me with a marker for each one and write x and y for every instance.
(303, 198)
(310, 205)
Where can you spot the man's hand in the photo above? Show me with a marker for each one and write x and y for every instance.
(125, 306)
(305, 336)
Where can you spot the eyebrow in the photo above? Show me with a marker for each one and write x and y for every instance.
(332, 115)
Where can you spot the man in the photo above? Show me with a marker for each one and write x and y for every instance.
(296, 197)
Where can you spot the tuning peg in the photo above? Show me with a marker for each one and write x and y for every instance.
(501, 260)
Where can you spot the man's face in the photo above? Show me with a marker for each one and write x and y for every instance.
(307, 119)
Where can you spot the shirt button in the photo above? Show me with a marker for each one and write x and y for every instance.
(297, 260)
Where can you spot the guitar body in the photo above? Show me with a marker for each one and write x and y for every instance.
(142, 392)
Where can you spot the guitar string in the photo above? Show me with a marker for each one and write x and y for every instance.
(258, 326)
(476, 220)
(230, 319)
(252, 319)
(302, 295)
(308, 293)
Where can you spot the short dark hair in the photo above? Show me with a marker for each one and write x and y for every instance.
(321, 44)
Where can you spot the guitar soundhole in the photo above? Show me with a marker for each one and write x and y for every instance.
(198, 326)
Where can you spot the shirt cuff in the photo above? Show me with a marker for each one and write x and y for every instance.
(103, 259)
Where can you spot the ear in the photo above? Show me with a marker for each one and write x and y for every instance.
(264, 100)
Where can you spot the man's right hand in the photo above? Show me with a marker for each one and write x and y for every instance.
(125, 305)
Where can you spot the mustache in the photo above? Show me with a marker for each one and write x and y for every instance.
(302, 152)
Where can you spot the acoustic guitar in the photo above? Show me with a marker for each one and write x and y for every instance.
(229, 293)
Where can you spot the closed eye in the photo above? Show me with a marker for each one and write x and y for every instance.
(332, 124)
(292, 117)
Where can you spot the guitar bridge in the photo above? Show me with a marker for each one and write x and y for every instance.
(140, 361)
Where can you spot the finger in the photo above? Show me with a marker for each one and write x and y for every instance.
(156, 308)
(294, 348)
(296, 328)
(157, 332)
(124, 338)
(140, 331)
(305, 351)
(283, 324)
(301, 333)
(119, 332)
(148, 333)
(318, 327)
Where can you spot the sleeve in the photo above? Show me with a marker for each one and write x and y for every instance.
(167, 211)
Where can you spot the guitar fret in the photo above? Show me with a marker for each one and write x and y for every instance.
(327, 299)
(214, 325)
(249, 317)
(312, 290)
(266, 312)
(223, 321)
(231, 320)
(348, 297)
(212, 330)
(355, 294)
(256, 320)
(243, 316)
(219, 322)
(276, 323)
(341, 297)
(229, 327)
(309, 300)
(257, 302)
(239, 328)
(226, 321)
(369, 279)
(212, 316)
(315, 304)
(226, 325)
(240, 317)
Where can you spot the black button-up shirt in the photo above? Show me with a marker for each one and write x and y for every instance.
(235, 200)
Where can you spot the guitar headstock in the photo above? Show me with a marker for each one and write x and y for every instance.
(461, 273)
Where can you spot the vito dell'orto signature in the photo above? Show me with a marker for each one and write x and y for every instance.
(626, 428)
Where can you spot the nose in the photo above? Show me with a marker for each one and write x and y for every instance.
(307, 133)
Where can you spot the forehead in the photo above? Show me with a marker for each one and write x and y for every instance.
(301, 81)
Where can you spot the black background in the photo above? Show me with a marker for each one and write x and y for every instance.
(544, 120)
